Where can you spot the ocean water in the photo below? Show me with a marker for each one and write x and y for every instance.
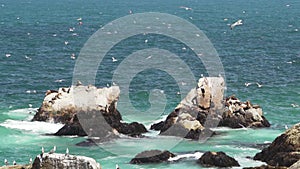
(265, 49)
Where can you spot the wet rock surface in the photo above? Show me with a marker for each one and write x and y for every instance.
(284, 150)
(217, 159)
(152, 156)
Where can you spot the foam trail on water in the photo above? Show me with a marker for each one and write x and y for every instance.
(36, 127)
(195, 155)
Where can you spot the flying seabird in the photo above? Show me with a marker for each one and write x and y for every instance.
(8, 55)
(186, 8)
(247, 84)
(114, 59)
(258, 85)
(73, 56)
(237, 23)
(52, 150)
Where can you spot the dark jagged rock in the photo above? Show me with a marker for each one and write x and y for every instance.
(152, 156)
(284, 150)
(71, 129)
(217, 159)
(157, 126)
(133, 129)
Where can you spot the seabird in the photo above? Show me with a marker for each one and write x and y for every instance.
(27, 57)
(66, 42)
(52, 150)
(14, 163)
(146, 41)
(258, 85)
(78, 83)
(186, 8)
(117, 166)
(79, 19)
(43, 151)
(247, 84)
(6, 162)
(286, 127)
(237, 23)
(73, 56)
(71, 29)
(114, 59)
(8, 55)
(67, 152)
(30, 161)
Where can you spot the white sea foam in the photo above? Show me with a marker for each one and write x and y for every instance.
(228, 129)
(195, 155)
(36, 127)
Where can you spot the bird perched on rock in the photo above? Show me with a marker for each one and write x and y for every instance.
(30, 161)
(237, 23)
(67, 152)
(78, 83)
(14, 163)
(117, 166)
(43, 151)
(6, 162)
(52, 150)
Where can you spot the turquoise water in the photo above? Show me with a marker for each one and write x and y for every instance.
(264, 49)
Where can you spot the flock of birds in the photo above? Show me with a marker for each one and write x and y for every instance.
(52, 151)
(248, 84)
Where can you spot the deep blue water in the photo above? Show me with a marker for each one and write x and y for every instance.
(265, 49)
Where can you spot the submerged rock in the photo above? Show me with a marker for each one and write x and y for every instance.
(87, 110)
(284, 150)
(64, 161)
(217, 159)
(152, 156)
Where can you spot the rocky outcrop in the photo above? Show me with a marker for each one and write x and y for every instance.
(239, 114)
(152, 156)
(204, 107)
(284, 150)
(217, 159)
(199, 109)
(64, 161)
(87, 110)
